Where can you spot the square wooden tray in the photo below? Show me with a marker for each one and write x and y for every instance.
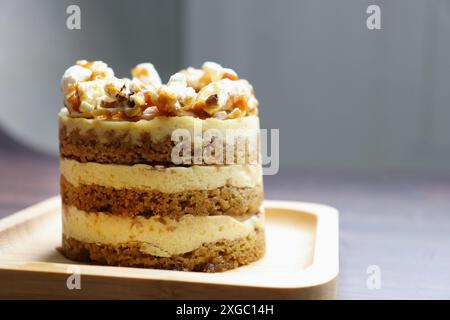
(301, 262)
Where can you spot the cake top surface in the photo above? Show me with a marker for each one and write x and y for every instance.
(91, 90)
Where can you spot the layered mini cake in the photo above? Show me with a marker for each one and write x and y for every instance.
(160, 175)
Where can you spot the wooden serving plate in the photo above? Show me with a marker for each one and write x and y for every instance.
(301, 262)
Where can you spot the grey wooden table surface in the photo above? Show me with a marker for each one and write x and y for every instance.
(400, 223)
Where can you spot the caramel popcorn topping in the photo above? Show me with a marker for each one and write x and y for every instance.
(91, 90)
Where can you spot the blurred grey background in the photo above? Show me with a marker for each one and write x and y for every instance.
(344, 97)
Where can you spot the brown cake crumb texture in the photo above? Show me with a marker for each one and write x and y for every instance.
(217, 257)
(119, 149)
(237, 202)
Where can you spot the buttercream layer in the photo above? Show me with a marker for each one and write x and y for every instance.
(150, 141)
(157, 236)
(226, 200)
(159, 178)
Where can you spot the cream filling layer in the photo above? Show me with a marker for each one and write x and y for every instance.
(160, 128)
(154, 236)
(163, 179)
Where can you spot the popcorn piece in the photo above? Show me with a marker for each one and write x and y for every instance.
(130, 97)
(83, 84)
(193, 77)
(215, 72)
(211, 72)
(72, 99)
(99, 69)
(146, 73)
(176, 95)
(150, 113)
(116, 90)
(233, 97)
(73, 75)
(236, 113)
(138, 99)
(143, 94)
(90, 93)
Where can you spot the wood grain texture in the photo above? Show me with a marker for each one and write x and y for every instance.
(301, 262)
